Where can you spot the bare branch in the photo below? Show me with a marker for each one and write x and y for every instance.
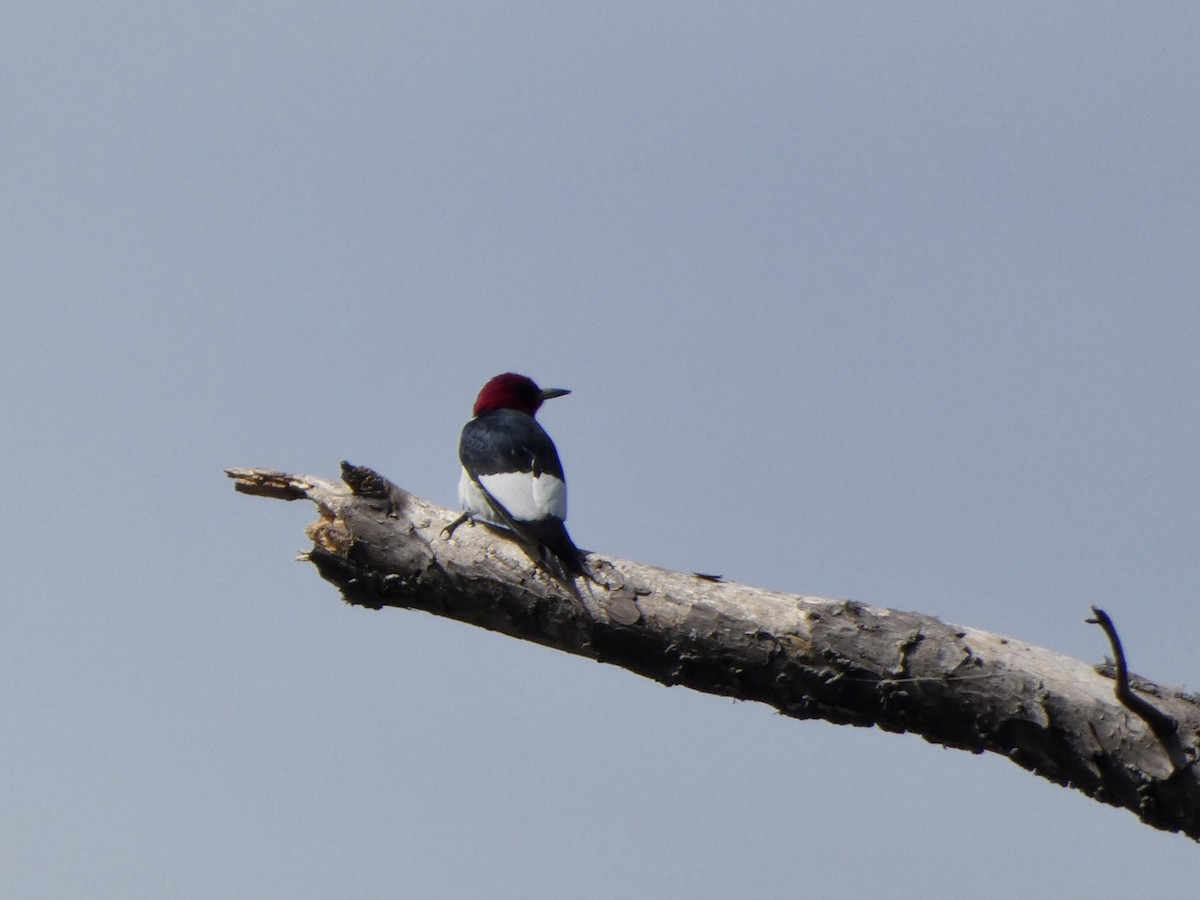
(808, 657)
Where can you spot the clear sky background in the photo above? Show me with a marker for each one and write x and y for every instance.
(897, 302)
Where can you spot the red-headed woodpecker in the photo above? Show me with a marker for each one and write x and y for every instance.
(511, 473)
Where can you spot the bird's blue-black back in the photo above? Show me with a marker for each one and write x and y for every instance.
(505, 440)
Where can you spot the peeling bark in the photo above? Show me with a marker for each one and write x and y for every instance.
(809, 657)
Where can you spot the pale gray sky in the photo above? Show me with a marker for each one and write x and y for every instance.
(895, 302)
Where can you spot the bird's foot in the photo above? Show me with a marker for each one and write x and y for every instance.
(449, 530)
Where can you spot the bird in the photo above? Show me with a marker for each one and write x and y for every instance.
(512, 476)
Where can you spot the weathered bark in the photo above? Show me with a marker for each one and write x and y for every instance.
(809, 657)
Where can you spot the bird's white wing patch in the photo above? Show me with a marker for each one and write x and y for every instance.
(550, 494)
(527, 498)
(473, 500)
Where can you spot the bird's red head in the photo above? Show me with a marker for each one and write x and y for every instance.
(512, 391)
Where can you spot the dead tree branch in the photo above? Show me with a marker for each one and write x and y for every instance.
(845, 662)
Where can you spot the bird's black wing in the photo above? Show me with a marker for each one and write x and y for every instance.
(505, 440)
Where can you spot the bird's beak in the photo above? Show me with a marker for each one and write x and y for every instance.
(551, 393)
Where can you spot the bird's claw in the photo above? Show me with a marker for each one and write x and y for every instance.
(449, 530)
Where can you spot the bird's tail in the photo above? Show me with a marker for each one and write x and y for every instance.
(558, 550)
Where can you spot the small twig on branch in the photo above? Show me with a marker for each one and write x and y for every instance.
(1164, 726)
